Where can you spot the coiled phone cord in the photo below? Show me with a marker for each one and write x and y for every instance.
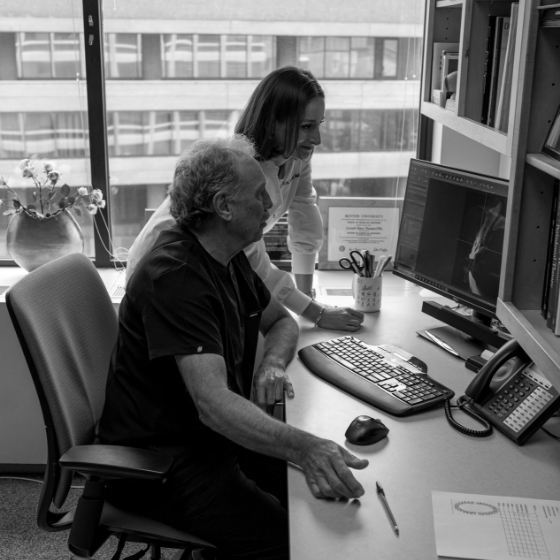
(465, 406)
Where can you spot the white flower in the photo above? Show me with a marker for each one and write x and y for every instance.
(83, 191)
(53, 175)
(24, 163)
(96, 196)
(92, 209)
(28, 171)
(48, 166)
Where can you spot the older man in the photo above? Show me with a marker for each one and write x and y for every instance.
(181, 376)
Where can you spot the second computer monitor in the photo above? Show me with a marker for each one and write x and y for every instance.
(451, 233)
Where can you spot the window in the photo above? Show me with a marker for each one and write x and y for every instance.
(123, 58)
(178, 73)
(337, 57)
(177, 56)
(34, 50)
(362, 57)
(236, 56)
(390, 48)
(261, 55)
(207, 57)
(311, 54)
(12, 143)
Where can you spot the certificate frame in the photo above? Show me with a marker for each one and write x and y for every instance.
(338, 242)
(552, 143)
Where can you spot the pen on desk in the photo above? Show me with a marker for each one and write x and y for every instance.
(381, 493)
(382, 264)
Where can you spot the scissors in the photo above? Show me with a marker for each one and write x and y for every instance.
(356, 263)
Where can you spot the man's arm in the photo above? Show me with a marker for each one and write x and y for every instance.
(280, 333)
(325, 464)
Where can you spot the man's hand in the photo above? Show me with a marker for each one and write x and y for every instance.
(341, 319)
(326, 467)
(269, 384)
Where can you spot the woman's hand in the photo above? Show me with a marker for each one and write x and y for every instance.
(341, 319)
(333, 318)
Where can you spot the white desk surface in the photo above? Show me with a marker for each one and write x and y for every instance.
(422, 452)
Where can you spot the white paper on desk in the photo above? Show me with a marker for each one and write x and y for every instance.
(496, 527)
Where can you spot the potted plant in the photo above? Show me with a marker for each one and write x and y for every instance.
(45, 229)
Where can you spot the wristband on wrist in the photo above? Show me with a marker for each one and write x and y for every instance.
(320, 316)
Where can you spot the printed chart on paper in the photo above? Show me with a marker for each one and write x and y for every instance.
(495, 527)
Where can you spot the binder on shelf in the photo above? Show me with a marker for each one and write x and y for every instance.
(548, 266)
(501, 62)
(490, 36)
(502, 109)
(495, 68)
(554, 283)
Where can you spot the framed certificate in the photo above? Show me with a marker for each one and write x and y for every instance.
(356, 223)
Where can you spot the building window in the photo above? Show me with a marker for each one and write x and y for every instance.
(362, 56)
(188, 126)
(128, 130)
(34, 52)
(235, 56)
(311, 54)
(177, 52)
(12, 143)
(207, 56)
(390, 50)
(337, 57)
(123, 56)
(262, 55)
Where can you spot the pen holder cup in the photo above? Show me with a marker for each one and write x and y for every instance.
(367, 293)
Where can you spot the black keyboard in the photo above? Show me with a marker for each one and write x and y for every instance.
(383, 376)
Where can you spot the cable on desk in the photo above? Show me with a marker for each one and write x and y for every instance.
(467, 409)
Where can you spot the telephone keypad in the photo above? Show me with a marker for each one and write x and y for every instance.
(517, 406)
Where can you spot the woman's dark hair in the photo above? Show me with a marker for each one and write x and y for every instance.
(281, 97)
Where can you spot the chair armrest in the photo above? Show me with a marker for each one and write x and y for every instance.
(115, 461)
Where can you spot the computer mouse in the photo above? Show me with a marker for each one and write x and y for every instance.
(365, 430)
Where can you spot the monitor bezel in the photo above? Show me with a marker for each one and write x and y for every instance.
(462, 299)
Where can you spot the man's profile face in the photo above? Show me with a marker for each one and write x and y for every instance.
(252, 203)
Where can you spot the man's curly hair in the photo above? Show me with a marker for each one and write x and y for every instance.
(203, 170)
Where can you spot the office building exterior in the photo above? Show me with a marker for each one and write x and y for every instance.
(179, 71)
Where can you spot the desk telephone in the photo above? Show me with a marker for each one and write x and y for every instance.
(517, 406)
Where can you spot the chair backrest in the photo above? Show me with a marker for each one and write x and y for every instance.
(67, 327)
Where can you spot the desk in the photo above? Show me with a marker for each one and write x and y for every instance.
(422, 452)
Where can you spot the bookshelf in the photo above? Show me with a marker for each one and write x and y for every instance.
(535, 98)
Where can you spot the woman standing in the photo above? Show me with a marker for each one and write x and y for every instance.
(282, 118)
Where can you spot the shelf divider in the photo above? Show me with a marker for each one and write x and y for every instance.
(489, 137)
(529, 328)
(544, 163)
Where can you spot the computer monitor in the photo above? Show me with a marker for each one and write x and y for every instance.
(451, 240)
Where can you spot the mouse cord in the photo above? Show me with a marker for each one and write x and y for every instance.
(465, 407)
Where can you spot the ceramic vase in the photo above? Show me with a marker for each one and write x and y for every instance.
(33, 241)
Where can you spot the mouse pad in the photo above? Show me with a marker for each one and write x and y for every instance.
(462, 343)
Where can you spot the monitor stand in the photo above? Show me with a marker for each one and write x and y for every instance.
(476, 326)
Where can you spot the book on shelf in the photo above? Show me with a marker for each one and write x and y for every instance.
(548, 266)
(501, 63)
(490, 36)
(554, 274)
(495, 69)
(504, 99)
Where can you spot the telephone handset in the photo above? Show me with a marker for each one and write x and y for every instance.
(519, 405)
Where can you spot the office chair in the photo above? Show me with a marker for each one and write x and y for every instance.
(67, 327)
